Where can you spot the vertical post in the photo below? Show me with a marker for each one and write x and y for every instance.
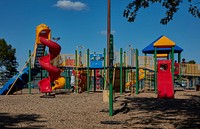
(94, 82)
(69, 78)
(88, 74)
(29, 65)
(179, 62)
(104, 67)
(121, 72)
(108, 36)
(145, 65)
(137, 73)
(155, 69)
(111, 58)
(76, 76)
(172, 64)
(66, 79)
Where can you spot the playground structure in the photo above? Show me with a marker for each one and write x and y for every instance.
(129, 70)
(43, 34)
(133, 65)
(39, 61)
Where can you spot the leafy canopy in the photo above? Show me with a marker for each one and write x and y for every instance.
(171, 6)
(191, 62)
(8, 63)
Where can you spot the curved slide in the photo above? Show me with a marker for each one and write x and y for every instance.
(54, 72)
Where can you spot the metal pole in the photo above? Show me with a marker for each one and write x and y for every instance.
(94, 82)
(76, 76)
(137, 73)
(155, 69)
(180, 68)
(66, 78)
(121, 84)
(111, 58)
(88, 74)
(104, 67)
(145, 65)
(172, 64)
(29, 64)
(108, 56)
(108, 37)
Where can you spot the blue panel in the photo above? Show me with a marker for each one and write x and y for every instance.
(96, 60)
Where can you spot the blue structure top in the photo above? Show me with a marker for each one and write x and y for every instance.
(150, 48)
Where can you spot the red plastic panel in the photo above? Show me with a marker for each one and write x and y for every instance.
(164, 79)
(164, 66)
(165, 85)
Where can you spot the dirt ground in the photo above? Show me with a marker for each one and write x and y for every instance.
(88, 111)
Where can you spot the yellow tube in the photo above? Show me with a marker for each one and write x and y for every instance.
(59, 83)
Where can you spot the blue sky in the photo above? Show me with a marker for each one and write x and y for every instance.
(84, 23)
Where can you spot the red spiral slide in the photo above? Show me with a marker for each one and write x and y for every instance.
(54, 72)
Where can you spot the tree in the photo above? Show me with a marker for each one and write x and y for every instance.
(191, 62)
(172, 7)
(8, 63)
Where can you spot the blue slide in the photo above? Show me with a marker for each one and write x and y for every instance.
(19, 84)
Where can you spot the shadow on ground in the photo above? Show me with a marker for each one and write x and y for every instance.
(21, 121)
(161, 113)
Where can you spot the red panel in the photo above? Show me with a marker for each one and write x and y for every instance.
(165, 85)
(164, 79)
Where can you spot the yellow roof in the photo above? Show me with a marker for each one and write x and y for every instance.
(164, 42)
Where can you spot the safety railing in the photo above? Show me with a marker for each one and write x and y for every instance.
(190, 69)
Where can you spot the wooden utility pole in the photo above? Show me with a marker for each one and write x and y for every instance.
(108, 40)
(109, 61)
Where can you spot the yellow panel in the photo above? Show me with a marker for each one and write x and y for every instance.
(44, 31)
(164, 42)
(161, 55)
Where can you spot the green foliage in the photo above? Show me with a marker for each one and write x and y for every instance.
(191, 62)
(8, 63)
(171, 6)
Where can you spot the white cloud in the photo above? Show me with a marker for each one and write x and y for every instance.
(104, 32)
(70, 5)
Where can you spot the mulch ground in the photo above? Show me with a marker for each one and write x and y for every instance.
(88, 111)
